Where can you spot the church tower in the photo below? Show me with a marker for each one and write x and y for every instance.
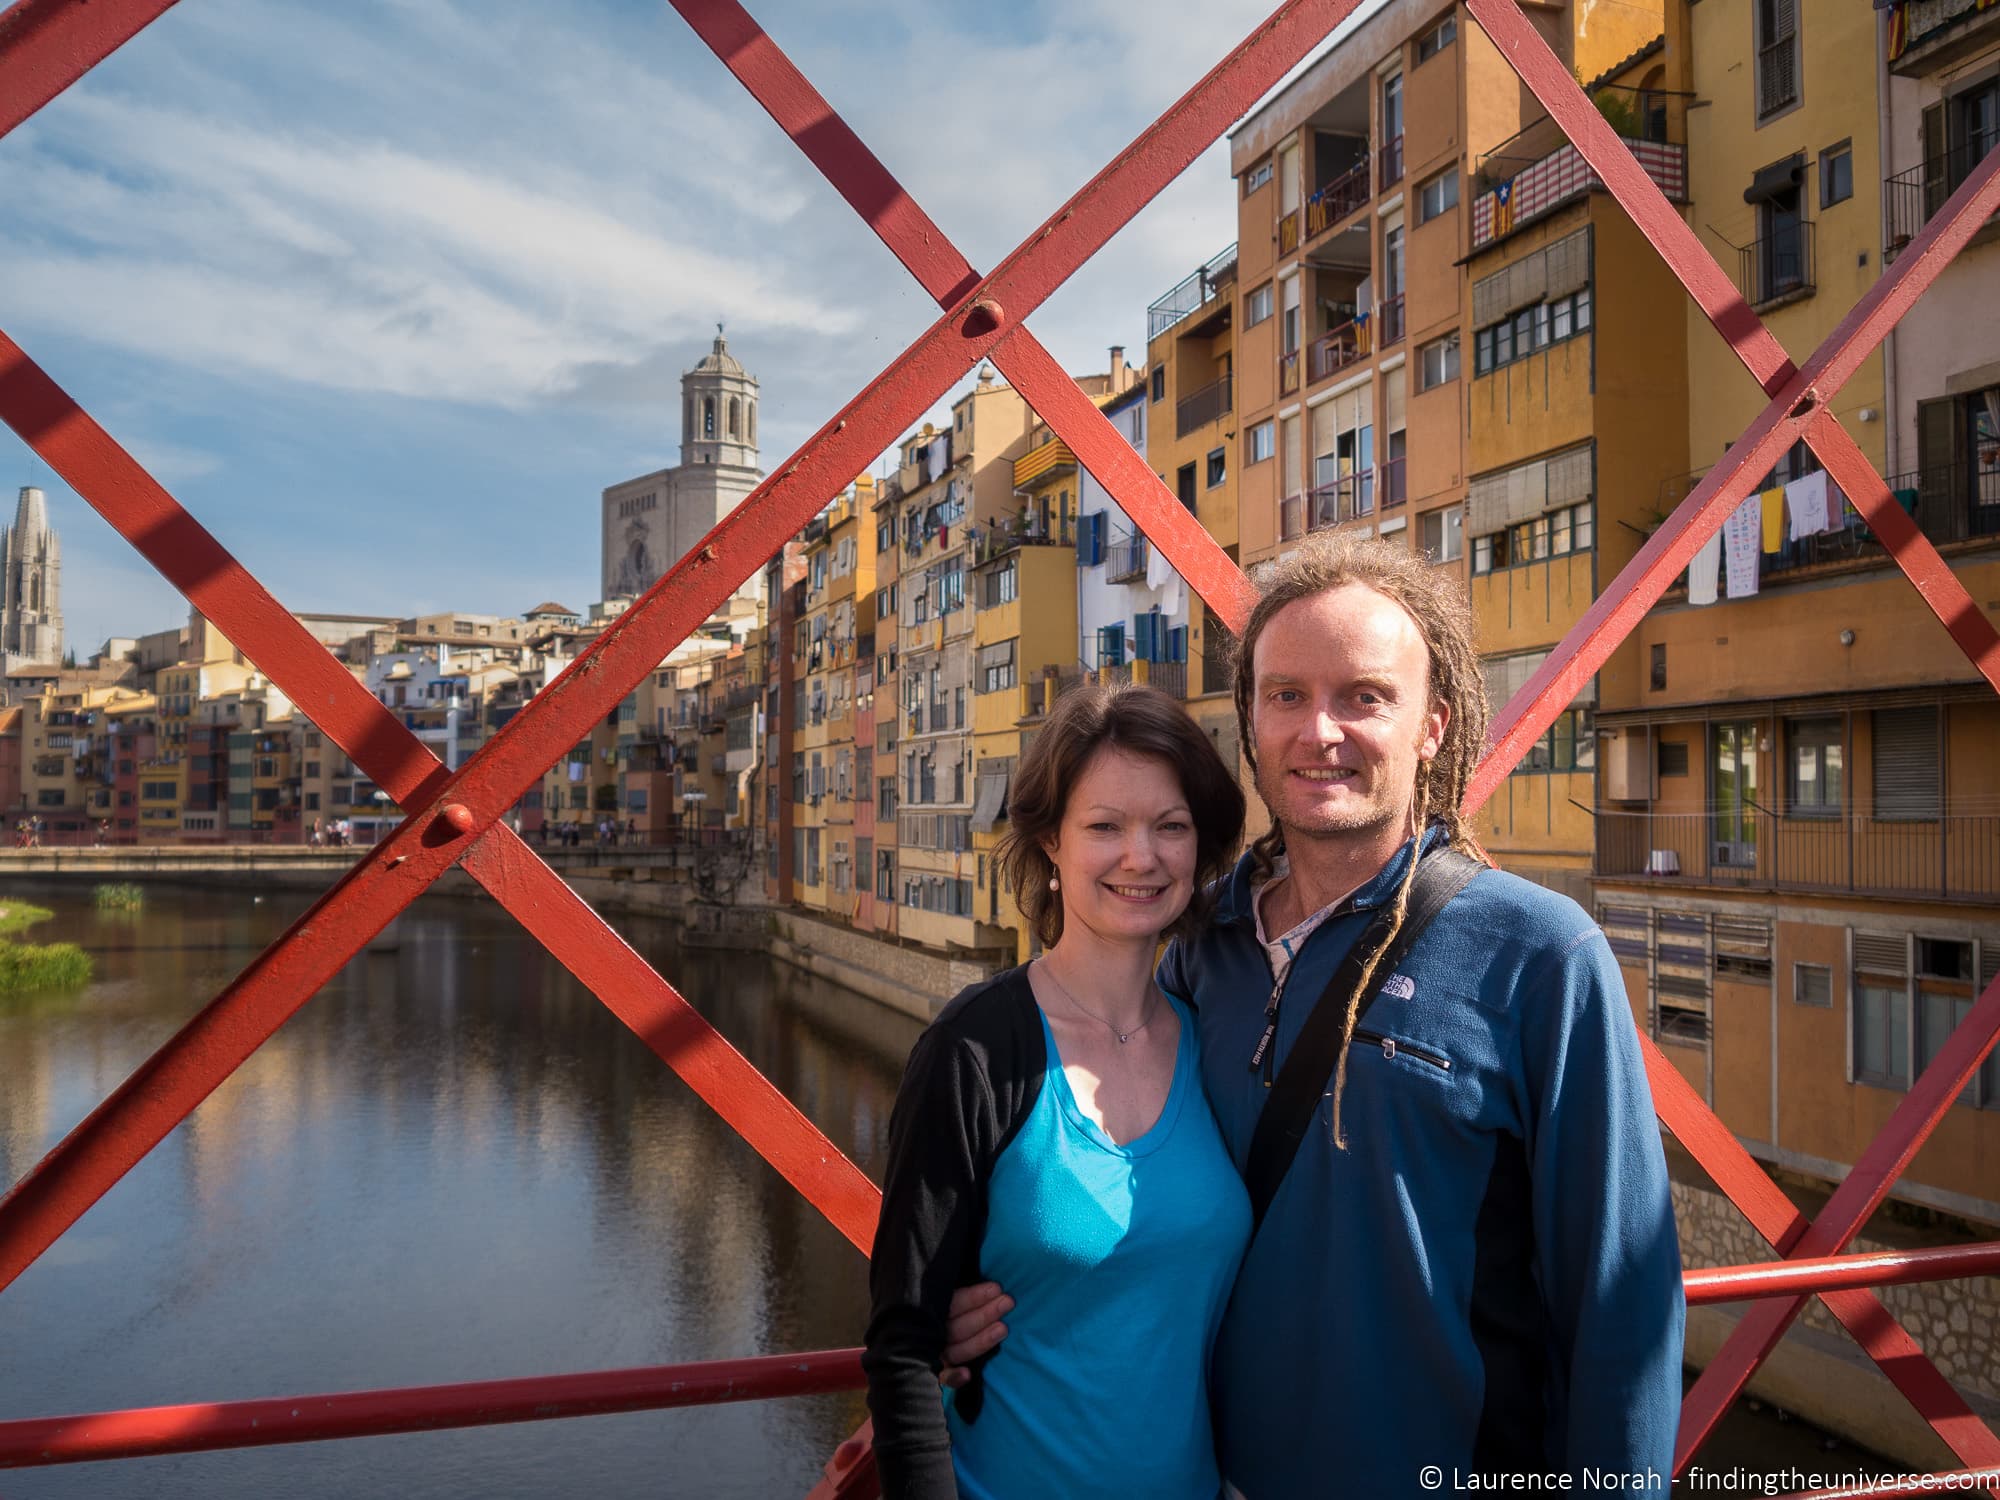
(651, 522)
(719, 411)
(31, 622)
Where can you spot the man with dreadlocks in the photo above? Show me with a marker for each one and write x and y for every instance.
(1470, 1270)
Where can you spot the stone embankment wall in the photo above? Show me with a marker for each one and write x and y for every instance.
(1818, 1371)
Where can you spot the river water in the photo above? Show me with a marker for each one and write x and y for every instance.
(453, 1164)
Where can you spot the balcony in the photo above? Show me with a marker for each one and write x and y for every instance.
(1912, 197)
(1335, 350)
(1288, 373)
(1200, 407)
(1346, 194)
(1042, 460)
(1778, 268)
(1028, 529)
(1193, 293)
(1391, 315)
(1949, 858)
(1349, 499)
(1390, 160)
(1538, 171)
(1126, 561)
(1392, 484)
(1937, 33)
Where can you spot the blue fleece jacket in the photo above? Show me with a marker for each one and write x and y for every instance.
(1487, 1279)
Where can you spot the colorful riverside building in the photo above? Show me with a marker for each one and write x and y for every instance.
(883, 912)
(1577, 389)
(947, 480)
(839, 553)
(1191, 439)
(1024, 594)
(1798, 853)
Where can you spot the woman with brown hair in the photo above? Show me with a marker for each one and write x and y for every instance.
(1051, 1134)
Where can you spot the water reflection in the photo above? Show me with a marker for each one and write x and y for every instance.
(453, 1164)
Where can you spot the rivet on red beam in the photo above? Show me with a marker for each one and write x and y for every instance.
(459, 817)
(985, 316)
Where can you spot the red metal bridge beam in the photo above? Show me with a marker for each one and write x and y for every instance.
(116, 1135)
(201, 1427)
(195, 562)
(1833, 1273)
(927, 253)
(46, 45)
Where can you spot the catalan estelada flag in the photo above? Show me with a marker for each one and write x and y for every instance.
(1503, 208)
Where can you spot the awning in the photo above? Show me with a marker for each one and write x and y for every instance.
(1779, 177)
(991, 805)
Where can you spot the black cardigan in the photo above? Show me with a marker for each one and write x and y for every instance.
(972, 1080)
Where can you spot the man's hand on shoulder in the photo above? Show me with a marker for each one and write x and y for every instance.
(975, 1328)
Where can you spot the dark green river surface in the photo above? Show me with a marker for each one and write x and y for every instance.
(452, 1164)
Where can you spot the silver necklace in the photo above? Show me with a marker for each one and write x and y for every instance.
(1123, 1036)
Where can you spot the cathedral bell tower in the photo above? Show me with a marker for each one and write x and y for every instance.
(31, 622)
(719, 411)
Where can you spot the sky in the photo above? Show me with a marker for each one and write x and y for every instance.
(386, 293)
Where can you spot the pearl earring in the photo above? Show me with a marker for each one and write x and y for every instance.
(1055, 883)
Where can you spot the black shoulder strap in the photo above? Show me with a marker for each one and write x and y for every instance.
(1302, 1081)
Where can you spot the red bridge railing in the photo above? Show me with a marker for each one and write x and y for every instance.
(46, 45)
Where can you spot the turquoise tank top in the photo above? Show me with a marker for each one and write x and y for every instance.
(1120, 1260)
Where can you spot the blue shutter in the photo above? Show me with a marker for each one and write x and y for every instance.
(1177, 642)
(1143, 635)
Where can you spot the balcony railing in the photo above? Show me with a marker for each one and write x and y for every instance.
(1524, 190)
(1950, 503)
(1127, 560)
(1778, 266)
(1392, 484)
(1288, 232)
(1192, 294)
(1288, 373)
(1391, 160)
(1199, 408)
(1040, 460)
(1347, 499)
(1344, 195)
(1948, 858)
(1390, 313)
(1027, 530)
(1338, 348)
(1915, 195)
(1291, 512)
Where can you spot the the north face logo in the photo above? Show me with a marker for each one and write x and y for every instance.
(1401, 986)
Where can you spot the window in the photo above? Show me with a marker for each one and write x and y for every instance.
(1881, 1010)
(1218, 467)
(1261, 444)
(1946, 990)
(1813, 782)
(1777, 40)
(1907, 775)
(1437, 195)
(1439, 37)
(1658, 679)
(1442, 534)
(1159, 382)
(1438, 362)
(1572, 528)
(1836, 174)
(1530, 329)
(1256, 177)
(1673, 758)
(1812, 984)
(1258, 306)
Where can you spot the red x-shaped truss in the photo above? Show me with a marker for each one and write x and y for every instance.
(45, 45)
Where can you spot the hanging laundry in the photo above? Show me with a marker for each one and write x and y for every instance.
(1158, 569)
(1739, 547)
(1771, 506)
(1701, 572)
(1805, 498)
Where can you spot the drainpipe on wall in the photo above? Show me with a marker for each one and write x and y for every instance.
(1885, 134)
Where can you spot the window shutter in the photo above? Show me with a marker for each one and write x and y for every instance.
(1142, 637)
(1906, 764)
(1937, 181)
(1569, 265)
(1177, 651)
(1886, 953)
(1940, 448)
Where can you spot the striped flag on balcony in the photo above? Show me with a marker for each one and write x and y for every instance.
(1503, 208)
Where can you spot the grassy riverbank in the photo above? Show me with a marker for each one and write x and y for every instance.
(25, 967)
